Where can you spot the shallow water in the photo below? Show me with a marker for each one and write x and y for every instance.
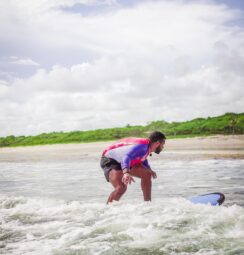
(59, 208)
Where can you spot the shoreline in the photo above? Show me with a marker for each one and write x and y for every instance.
(197, 148)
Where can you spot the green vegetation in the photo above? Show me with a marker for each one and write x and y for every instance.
(229, 123)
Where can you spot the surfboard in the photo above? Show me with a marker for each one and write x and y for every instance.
(214, 199)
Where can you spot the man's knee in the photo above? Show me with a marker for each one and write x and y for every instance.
(121, 189)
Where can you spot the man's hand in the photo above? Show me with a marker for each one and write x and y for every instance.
(127, 178)
(154, 175)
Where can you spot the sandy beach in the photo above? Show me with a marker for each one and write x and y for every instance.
(198, 148)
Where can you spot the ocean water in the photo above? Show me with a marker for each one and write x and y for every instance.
(58, 207)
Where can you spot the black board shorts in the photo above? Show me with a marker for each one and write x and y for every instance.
(107, 164)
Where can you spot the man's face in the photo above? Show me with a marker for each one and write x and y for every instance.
(160, 146)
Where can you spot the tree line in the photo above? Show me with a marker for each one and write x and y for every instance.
(229, 123)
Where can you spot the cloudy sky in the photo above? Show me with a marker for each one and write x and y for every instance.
(86, 64)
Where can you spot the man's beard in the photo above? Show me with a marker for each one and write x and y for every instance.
(158, 150)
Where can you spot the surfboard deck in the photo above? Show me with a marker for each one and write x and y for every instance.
(213, 199)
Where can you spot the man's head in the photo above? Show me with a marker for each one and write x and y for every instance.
(157, 141)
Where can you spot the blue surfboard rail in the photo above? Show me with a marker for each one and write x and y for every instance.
(214, 199)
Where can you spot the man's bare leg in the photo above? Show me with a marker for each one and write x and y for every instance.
(146, 180)
(115, 178)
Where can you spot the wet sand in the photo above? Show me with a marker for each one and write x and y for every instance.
(198, 148)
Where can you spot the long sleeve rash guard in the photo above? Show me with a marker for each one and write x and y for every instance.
(129, 152)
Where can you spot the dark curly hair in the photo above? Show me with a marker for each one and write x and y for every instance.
(156, 136)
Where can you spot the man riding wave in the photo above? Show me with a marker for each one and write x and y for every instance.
(126, 159)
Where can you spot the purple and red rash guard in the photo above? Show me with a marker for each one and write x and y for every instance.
(129, 152)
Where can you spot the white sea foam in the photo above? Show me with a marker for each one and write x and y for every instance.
(36, 226)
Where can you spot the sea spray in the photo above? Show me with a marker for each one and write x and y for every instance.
(164, 226)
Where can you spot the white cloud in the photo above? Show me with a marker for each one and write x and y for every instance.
(171, 60)
(23, 61)
(3, 88)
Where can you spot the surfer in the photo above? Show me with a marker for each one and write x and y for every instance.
(126, 159)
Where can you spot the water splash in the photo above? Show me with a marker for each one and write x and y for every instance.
(165, 226)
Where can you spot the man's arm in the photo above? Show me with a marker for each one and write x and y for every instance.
(146, 164)
(137, 151)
